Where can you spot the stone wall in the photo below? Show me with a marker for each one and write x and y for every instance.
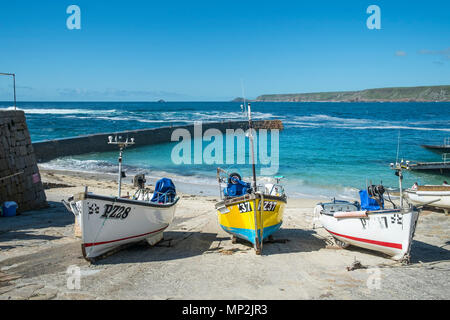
(19, 175)
(51, 149)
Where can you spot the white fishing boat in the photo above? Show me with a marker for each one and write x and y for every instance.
(369, 225)
(109, 222)
(432, 195)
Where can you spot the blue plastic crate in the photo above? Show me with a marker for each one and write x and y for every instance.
(9, 209)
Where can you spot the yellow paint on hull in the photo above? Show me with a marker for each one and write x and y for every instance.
(241, 215)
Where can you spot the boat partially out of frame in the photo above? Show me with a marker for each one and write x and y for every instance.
(432, 195)
(440, 149)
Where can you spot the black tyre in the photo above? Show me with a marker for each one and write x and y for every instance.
(234, 175)
(341, 244)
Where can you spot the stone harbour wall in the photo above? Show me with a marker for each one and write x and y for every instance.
(52, 149)
(19, 174)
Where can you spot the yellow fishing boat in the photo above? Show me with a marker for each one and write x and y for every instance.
(249, 211)
(238, 217)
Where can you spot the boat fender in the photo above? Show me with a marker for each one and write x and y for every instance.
(350, 214)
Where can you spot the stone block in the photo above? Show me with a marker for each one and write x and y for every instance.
(16, 154)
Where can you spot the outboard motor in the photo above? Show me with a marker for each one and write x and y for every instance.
(372, 199)
(139, 181)
(376, 191)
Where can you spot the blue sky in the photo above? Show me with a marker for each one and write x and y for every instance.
(200, 50)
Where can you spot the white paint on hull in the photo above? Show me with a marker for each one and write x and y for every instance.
(387, 231)
(422, 197)
(133, 222)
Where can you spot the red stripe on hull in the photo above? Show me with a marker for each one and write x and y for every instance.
(105, 242)
(379, 243)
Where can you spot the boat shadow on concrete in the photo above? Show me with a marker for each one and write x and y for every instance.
(51, 260)
(420, 252)
(24, 228)
(180, 245)
(175, 245)
(12, 236)
(289, 240)
(425, 252)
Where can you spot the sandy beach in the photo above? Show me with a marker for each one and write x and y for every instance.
(197, 260)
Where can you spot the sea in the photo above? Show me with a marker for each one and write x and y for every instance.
(326, 150)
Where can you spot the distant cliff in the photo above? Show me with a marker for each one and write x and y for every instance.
(399, 94)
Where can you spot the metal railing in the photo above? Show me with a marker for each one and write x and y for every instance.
(14, 85)
(447, 141)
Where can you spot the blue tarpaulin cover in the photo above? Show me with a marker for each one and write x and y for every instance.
(236, 190)
(368, 203)
(164, 191)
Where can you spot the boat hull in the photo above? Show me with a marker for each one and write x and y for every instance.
(108, 222)
(425, 196)
(437, 149)
(387, 231)
(237, 216)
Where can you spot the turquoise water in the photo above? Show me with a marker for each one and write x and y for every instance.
(326, 149)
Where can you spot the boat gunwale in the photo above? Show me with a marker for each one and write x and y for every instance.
(85, 196)
(383, 211)
(247, 197)
(430, 189)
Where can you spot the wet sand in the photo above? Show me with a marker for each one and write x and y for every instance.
(198, 261)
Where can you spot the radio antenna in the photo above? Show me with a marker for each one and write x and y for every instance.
(243, 106)
(398, 146)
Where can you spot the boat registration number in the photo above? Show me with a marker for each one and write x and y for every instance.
(247, 207)
(116, 212)
(269, 205)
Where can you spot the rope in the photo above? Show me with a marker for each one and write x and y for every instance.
(420, 264)
(10, 176)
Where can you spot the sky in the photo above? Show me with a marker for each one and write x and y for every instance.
(205, 50)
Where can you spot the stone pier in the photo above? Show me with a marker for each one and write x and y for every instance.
(19, 174)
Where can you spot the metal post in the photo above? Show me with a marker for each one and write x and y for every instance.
(120, 171)
(14, 85)
(261, 209)
(255, 209)
(250, 126)
(14, 80)
(122, 145)
(400, 178)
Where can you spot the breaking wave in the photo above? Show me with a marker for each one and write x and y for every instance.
(61, 111)
(327, 121)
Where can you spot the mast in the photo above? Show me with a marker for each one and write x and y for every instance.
(122, 145)
(400, 178)
(258, 240)
(250, 126)
(398, 167)
(248, 108)
(120, 172)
